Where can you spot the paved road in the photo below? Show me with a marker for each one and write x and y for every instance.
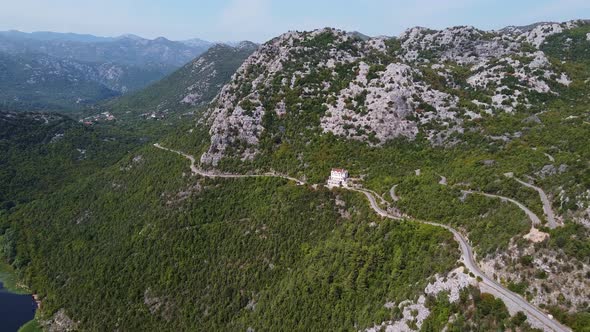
(392, 193)
(532, 216)
(547, 208)
(536, 317)
(383, 201)
(512, 300)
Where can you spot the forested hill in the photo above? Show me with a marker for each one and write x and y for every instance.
(43, 152)
(237, 254)
(441, 114)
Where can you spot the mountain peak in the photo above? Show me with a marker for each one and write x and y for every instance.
(246, 45)
(197, 42)
(130, 37)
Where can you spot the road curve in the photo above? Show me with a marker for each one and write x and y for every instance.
(547, 208)
(535, 220)
(210, 174)
(392, 193)
(536, 317)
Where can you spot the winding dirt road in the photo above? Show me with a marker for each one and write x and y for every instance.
(535, 316)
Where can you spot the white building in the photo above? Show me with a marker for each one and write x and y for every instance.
(338, 178)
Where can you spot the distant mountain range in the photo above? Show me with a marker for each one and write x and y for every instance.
(126, 49)
(55, 36)
(63, 71)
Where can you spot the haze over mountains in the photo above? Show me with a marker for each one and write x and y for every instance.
(60, 71)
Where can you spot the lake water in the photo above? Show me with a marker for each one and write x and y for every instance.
(15, 310)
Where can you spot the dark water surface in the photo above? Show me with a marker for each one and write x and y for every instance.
(15, 310)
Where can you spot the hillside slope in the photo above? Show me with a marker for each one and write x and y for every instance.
(38, 82)
(194, 84)
(232, 254)
(425, 82)
(461, 104)
(43, 152)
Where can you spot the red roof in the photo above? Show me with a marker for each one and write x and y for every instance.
(339, 170)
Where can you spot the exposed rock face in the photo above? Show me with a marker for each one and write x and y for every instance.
(378, 89)
(158, 305)
(60, 322)
(582, 216)
(209, 71)
(229, 121)
(532, 72)
(411, 312)
(549, 170)
(537, 35)
(388, 99)
(453, 283)
(551, 277)
(416, 311)
(463, 44)
(242, 125)
(195, 93)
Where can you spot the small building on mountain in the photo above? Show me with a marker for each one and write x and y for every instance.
(338, 178)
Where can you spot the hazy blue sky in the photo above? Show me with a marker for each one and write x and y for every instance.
(259, 20)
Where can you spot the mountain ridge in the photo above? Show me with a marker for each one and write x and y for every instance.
(409, 49)
(194, 84)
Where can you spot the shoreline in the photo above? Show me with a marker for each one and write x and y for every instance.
(10, 284)
(9, 280)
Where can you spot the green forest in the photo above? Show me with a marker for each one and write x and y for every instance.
(120, 235)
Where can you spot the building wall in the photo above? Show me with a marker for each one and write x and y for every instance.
(338, 179)
(338, 175)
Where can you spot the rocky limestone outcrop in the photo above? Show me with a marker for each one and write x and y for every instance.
(416, 312)
(158, 305)
(386, 102)
(378, 89)
(550, 277)
(59, 322)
